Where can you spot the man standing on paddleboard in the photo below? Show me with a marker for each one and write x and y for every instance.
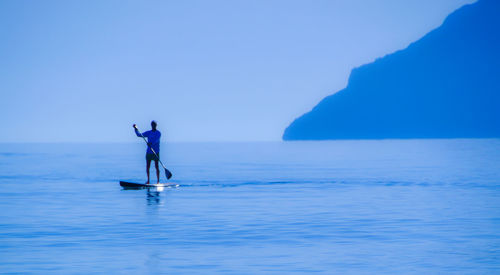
(153, 147)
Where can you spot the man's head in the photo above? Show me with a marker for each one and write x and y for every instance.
(153, 125)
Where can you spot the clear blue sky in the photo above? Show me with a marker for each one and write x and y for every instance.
(205, 70)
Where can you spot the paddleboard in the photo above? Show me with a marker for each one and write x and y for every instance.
(128, 184)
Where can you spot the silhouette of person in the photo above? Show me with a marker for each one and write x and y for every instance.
(153, 147)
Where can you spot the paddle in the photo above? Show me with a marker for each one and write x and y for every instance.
(167, 173)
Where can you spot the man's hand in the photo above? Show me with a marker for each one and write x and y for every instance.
(135, 126)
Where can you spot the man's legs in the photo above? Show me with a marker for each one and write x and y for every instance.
(148, 164)
(157, 170)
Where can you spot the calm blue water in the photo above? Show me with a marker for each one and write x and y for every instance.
(355, 207)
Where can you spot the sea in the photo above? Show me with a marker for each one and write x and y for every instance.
(319, 207)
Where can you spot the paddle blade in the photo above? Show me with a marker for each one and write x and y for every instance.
(168, 174)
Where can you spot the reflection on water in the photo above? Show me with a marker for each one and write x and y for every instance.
(153, 196)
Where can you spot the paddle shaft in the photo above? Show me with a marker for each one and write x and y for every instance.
(152, 150)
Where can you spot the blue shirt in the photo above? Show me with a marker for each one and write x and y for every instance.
(153, 139)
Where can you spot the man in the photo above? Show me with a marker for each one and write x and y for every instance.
(153, 145)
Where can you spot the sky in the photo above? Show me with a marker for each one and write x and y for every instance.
(235, 70)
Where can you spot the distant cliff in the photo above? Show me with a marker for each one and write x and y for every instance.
(445, 85)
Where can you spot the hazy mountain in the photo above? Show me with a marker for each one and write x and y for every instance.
(444, 85)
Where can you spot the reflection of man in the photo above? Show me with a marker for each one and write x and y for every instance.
(153, 197)
(153, 147)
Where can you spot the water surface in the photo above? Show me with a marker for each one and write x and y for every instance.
(355, 207)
